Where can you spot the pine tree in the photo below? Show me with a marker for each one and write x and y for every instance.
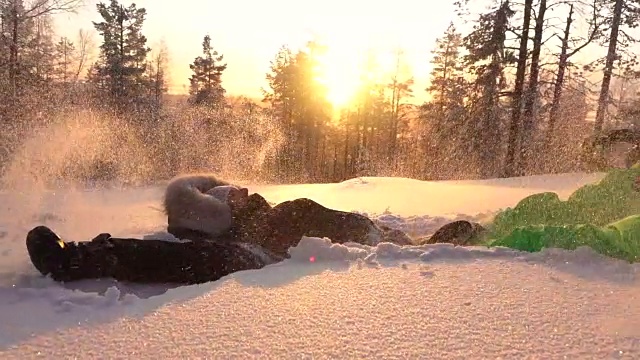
(517, 96)
(65, 64)
(486, 59)
(444, 115)
(39, 56)
(17, 29)
(447, 86)
(595, 23)
(529, 121)
(280, 80)
(624, 15)
(158, 78)
(280, 97)
(26, 60)
(206, 82)
(24, 42)
(313, 108)
(400, 90)
(120, 72)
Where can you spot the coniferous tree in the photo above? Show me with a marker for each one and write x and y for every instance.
(39, 56)
(568, 48)
(366, 121)
(300, 102)
(445, 114)
(17, 32)
(518, 94)
(622, 14)
(120, 72)
(206, 81)
(486, 59)
(280, 97)
(26, 60)
(280, 79)
(529, 123)
(65, 66)
(400, 90)
(158, 78)
(311, 108)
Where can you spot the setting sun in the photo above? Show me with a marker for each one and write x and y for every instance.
(349, 29)
(345, 67)
(339, 72)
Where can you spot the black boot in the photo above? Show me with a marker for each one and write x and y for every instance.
(65, 261)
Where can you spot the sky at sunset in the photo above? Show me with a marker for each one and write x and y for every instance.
(250, 32)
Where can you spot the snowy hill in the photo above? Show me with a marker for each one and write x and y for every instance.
(350, 302)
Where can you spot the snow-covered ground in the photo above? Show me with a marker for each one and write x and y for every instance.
(351, 302)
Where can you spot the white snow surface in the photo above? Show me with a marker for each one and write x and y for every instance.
(351, 301)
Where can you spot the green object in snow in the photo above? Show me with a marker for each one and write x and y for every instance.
(597, 205)
(620, 239)
(604, 216)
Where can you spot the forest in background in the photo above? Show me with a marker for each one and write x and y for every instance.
(508, 97)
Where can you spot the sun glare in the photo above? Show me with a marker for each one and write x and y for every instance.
(343, 71)
(348, 62)
(340, 73)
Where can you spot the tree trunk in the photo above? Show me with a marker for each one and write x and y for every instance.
(608, 67)
(557, 89)
(516, 103)
(393, 149)
(119, 84)
(13, 50)
(530, 98)
(489, 127)
(393, 120)
(346, 148)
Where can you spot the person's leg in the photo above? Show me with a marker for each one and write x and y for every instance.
(143, 261)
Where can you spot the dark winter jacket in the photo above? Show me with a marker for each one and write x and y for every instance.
(261, 235)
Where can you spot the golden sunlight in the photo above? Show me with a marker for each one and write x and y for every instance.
(349, 62)
(349, 28)
(340, 74)
(344, 70)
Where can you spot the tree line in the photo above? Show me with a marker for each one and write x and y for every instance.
(506, 97)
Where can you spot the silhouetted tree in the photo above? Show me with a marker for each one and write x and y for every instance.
(486, 59)
(570, 46)
(120, 73)
(444, 116)
(300, 103)
(401, 89)
(158, 79)
(518, 94)
(206, 82)
(623, 14)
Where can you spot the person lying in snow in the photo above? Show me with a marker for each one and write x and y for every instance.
(227, 230)
(202, 207)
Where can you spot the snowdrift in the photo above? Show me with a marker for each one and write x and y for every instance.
(328, 300)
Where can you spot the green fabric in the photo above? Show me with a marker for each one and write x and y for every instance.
(620, 239)
(613, 198)
(603, 216)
